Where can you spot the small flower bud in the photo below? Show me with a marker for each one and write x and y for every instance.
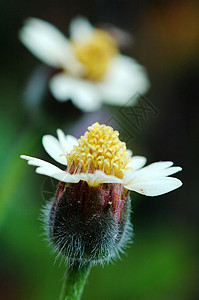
(90, 223)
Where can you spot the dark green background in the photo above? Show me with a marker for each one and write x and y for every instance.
(162, 263)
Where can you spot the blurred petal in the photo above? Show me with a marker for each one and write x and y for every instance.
(155, 187)
(47, 43)
(87, 98)
(124, 78)
(83, 93)
(80, 30)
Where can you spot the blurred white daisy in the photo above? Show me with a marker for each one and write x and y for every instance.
(100, 157)
(92, 69)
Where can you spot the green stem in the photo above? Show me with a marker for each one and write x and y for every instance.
(75, 280)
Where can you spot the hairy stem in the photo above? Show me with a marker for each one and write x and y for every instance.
(75, 280)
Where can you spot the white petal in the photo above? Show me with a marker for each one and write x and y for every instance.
(107, 178)
(87, 98)
(61, 138)
(47, 43)
(154, 170)
(41, 164)
(160, 165)
(137, 162)
(54, 148)
(50, 170)
(67, 142)
(155, 187)
(61, 176)
(98, 177)
(152, 180)
(130, 152)
(83, 93)
(80, 30)
(124, 79)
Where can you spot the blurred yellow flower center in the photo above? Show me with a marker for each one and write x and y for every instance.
(99, 149)
(95, 54)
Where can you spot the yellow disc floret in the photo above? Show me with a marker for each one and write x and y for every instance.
(99, 149)
(95, 54)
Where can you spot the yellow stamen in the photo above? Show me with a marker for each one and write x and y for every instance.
(95, 54)
(99, 149)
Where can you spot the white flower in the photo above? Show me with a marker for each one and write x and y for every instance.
(92, 68)
(100, 157)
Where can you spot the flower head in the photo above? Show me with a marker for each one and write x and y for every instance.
(99, 149)
(100, 157)
(89, 219)
(92, 69)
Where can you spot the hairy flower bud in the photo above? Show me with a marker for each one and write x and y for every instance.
(90, 223)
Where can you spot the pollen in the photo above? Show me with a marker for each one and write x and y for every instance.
(99, 149)
(95, 54)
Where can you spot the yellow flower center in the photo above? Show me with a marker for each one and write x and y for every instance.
(99, 149)
(95, 54)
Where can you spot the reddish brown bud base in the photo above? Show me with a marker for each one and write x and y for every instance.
(90, 223)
